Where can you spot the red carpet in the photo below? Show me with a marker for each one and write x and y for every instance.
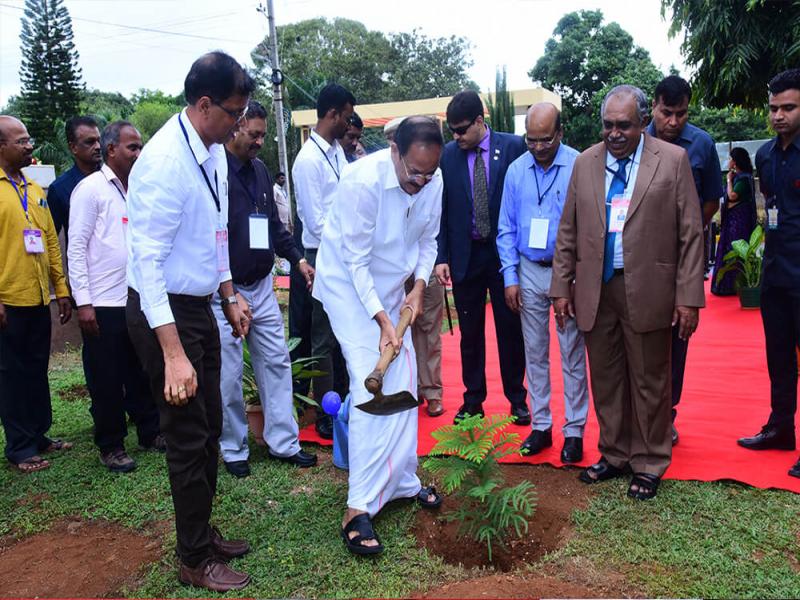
(725, 396)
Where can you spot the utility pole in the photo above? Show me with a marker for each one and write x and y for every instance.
(277, 96)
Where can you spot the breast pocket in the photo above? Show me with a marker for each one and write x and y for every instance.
(416, 227)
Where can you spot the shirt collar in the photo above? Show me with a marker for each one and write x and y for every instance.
(4, 175)
(611, 162)
(560, 160)
(485, 144)
(109, 173)
(329, 149)
(686, 135)
(390, 180)
(201, 153)
(234, 162)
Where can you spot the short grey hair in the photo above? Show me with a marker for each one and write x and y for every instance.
(642, 107)
(111, 135)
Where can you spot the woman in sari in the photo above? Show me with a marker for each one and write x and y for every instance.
(738, 218)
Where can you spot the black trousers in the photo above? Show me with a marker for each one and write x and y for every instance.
(325, 345)
(780, 313)
(300, 322)
(25, 409)
(680, 348)
(117, 384)
(484, 274)
(191, 431)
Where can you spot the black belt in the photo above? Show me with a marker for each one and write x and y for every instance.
(619, 272)
(181, 297)
(545, 263)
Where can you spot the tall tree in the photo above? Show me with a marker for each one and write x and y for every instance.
(51, 78)
(736, 46)
(501, 104)
(582, 60)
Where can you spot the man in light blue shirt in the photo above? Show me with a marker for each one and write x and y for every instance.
(533, 198)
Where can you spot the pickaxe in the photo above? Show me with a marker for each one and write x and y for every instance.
(393, 403)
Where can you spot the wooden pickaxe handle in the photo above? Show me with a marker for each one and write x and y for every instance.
(374, 382)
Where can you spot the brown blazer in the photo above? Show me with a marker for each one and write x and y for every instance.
(662, 238)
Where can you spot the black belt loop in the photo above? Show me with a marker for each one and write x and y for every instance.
(548, 264)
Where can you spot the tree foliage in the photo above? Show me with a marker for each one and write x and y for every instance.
(375, 67)
(501, 104)
(584, 59)
(51, 78)
(736, 46)
(731, 124)
(106, 106)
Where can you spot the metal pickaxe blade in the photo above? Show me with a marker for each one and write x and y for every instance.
(392, 403)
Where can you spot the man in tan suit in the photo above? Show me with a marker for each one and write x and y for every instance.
(630, 289)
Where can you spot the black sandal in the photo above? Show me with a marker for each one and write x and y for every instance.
(602, 470)
(647, 484)
(422, 498)
(362, 525)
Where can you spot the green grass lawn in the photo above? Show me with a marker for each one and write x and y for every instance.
(694, 539)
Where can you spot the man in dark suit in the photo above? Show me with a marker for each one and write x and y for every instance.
(474, 167)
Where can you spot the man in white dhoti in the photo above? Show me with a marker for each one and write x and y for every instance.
(380, 230)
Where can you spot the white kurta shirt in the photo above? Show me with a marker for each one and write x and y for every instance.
(282, 203)
(375, 236)
(97, 251)
(316, 173)
(173, 220)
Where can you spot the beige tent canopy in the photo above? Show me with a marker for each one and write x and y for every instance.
(377, 115)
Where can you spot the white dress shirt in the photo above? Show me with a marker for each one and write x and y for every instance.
(375, 236)
(97, 251)
(632, 169)
(316, 174)
(282, 202)
(173, 220)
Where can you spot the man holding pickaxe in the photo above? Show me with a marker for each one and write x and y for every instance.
(380, 230)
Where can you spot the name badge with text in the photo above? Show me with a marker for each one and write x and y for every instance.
(259, 232)
(619, 212)
(772, 218)
(223, 261)
(34, 244)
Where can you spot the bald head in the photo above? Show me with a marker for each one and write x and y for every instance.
(543, 132)
(16, 150)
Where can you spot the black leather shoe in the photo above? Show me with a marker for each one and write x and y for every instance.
(468, 410)
(238, 468)
(675, 437)
(522, 413)
(795, 470)
(769, 438)
(302, 459)
(572, 451)
(324, 427)
(537, 441)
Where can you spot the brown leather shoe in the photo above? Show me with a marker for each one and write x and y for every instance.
(435, 407)
(213, 574)
(227, 549)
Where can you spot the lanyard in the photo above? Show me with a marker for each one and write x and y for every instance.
(549, 187)
(22, 198)
(617, 175)
(335, 172)
(214, 195)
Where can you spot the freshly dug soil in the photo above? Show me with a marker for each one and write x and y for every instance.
(75, 558)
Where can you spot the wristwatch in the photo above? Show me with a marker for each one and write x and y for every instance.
(229, 300)
(301, 261)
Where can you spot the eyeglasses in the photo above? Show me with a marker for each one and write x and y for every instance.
(28, 141)
(236, 115)
(545, 143)
(418, 178)
(461, 130)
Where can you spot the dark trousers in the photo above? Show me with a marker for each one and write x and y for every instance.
(780, 312)
(191, 431)
(300, 322)
(680, 348)
(25, 409)
(325, 345)
(484, 274)
(117, 384)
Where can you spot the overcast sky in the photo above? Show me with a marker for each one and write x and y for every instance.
(116, 56)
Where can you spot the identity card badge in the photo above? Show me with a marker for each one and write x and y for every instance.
(223, 262)
(772, 217)
(259, 232)
(538, 236)
(34, 244)
(619, 212)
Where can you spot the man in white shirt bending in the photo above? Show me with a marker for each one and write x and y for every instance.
(177, 258)
(98, 257)
(381, 230)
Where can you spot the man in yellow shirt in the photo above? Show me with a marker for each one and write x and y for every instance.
(30, 260)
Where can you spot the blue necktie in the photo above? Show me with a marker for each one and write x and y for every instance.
(616, 188)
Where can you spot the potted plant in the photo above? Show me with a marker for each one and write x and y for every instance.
(745, 257)
(301, 369)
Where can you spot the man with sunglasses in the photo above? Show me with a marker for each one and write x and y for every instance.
(380, 231)
(474, 167)
(316, 173)
(533, 200)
